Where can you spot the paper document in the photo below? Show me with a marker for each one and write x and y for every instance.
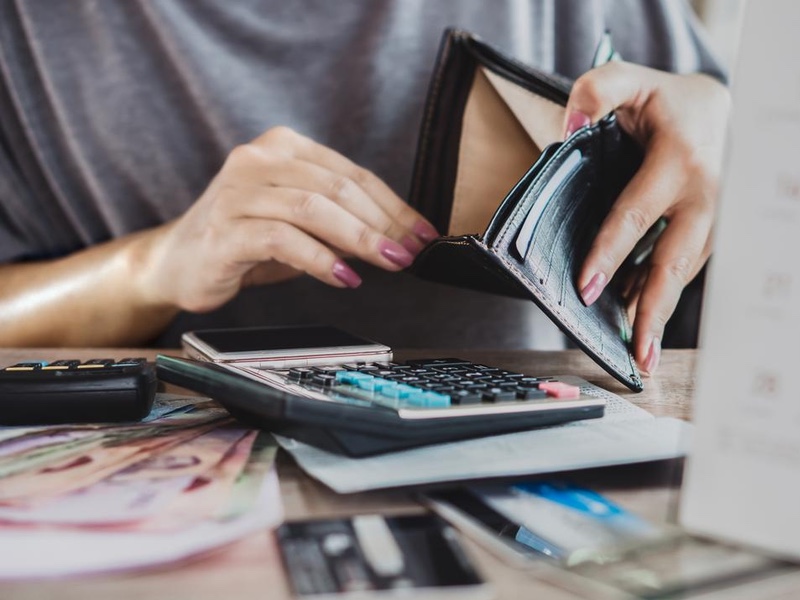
(625, 434)
(742, 477)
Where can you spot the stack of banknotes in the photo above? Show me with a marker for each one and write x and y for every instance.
(187, 468)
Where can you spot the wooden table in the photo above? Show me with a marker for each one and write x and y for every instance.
(251, 568)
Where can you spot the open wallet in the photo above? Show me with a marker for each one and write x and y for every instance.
(512, 228)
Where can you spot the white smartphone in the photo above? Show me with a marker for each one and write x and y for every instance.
(282, 347)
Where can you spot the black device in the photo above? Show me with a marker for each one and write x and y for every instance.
(70, 391)
(361, 409)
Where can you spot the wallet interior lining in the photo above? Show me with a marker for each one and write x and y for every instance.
(504, 129)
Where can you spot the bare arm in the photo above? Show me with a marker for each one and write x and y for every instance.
(90, 298)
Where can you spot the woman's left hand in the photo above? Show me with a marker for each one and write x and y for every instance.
(680, 120)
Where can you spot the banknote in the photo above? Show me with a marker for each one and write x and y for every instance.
(209, 492)
(12, 449)
(85, 468)
(193, 457)
(106, 503)
(248, 486)
(39, 456)
(187, 463)
(129, 494)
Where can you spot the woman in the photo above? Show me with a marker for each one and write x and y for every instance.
(159, 157)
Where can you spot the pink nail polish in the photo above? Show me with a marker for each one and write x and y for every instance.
(594, 288)
(345, 274)
(653, 356)
(575, 121)
(425, 231)
(396, 253)
(411, 244)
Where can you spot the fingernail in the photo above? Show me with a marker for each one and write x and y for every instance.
(575, 121)
(425, 231)
(345, 274)
(411, 244)
(653, 356)
(396, 253)
(593, 289)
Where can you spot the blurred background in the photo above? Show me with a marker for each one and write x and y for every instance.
(722, 19)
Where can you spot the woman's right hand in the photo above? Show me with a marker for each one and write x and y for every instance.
(281, 205)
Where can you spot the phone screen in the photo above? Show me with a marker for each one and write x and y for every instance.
(254, 339)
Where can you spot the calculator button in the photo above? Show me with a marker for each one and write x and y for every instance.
(130, 362)
(535, 380)
(328, 370)
(509, 374)
(531, 393)
(27, 366)
(465, 397)
(61, 365)
(450, 369)
(442, 389)
(300, 374)
(560, 390)
(498, 395)
(354, 366)
(323, 380)
(436, 400)
(400, 368)
(96, 363)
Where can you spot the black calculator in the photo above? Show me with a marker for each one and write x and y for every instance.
(367, 408)
(99, 390)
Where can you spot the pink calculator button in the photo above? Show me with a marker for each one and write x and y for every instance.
(560, 390)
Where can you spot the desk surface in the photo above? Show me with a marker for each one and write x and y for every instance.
(251, 567)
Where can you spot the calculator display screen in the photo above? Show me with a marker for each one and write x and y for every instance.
(254, 339)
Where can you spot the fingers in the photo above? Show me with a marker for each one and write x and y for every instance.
(328, 222)
(680, 121)
(300, 174)
(348, 181)
(658, 188)
(258, 241)
(606, 89)
(677, 258)
(646, 197)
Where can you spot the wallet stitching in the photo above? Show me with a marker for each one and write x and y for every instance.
(545, 299)
(512, 226)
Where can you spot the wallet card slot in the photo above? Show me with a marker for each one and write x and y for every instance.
(560, 178)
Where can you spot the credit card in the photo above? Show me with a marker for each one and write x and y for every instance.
(374, 556)
(572, 523)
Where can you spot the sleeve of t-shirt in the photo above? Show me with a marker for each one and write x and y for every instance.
(12, 244)
(663, 34)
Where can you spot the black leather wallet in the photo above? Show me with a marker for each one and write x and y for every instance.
(488, 119)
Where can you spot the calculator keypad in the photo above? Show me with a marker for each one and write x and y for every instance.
(434, 383)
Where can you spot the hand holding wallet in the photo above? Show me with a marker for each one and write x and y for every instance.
(488, 119)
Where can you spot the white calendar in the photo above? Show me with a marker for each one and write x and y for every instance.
(743, 475)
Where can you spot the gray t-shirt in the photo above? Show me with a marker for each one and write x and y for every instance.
(115, 115)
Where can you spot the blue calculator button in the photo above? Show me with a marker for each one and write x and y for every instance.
(434, 400)
(390, 390)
